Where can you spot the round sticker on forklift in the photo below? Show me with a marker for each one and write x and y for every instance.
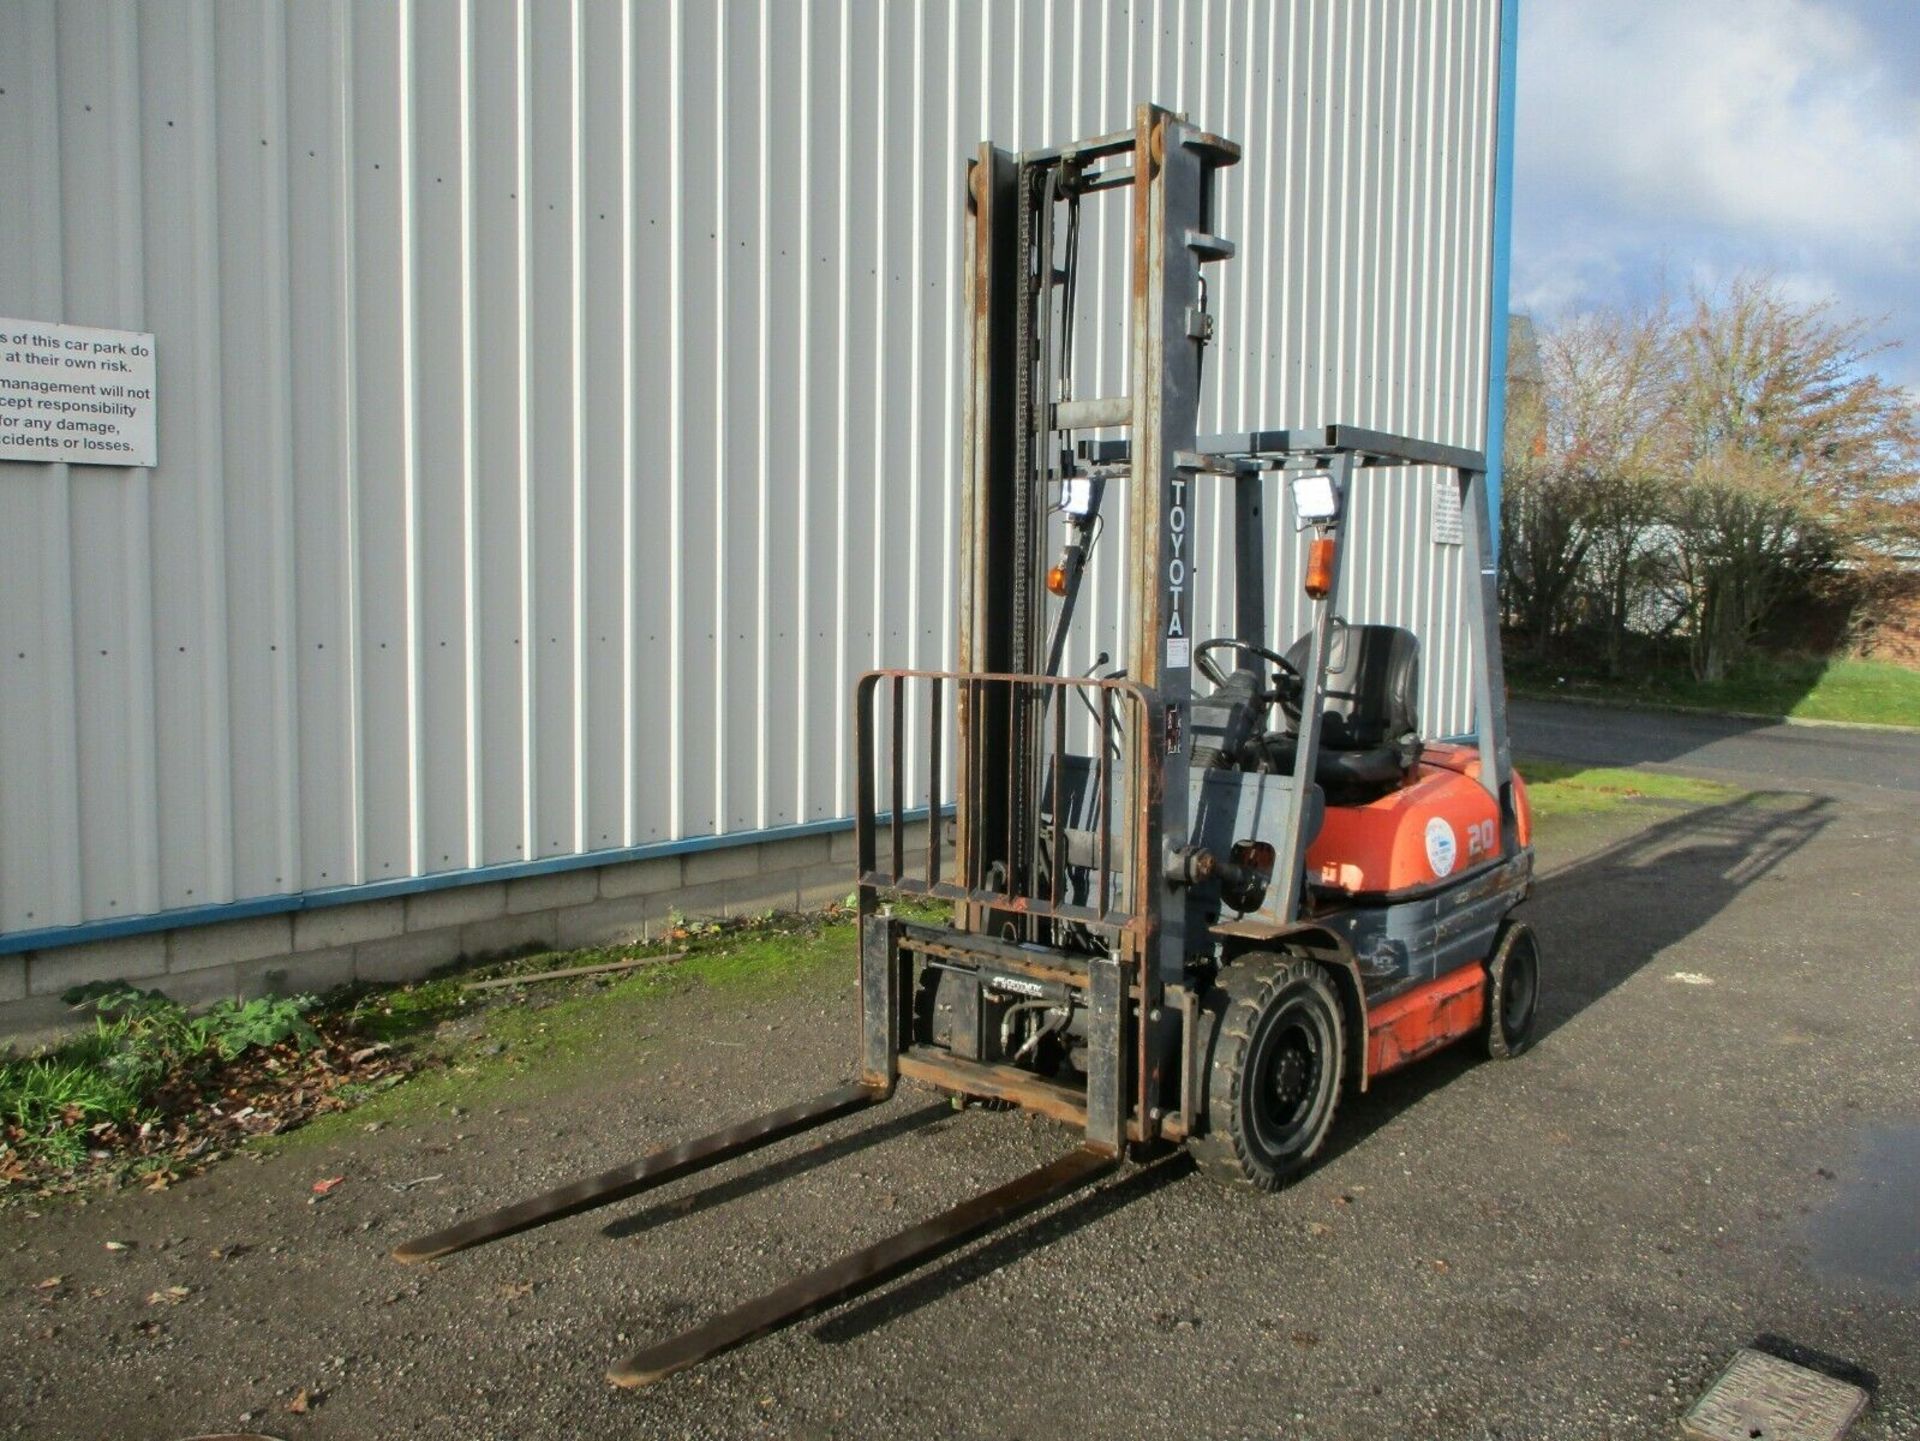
(1441, 846)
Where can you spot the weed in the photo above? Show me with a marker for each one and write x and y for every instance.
(45, 1096)
(233, 1029)
(141, 1043)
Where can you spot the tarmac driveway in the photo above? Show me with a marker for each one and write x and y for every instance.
(1798, 754)
(1715, 1141)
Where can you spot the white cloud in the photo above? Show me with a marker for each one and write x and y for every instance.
(1777, 114)
(1669, 144)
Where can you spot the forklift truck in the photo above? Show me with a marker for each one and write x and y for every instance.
(1179, 915)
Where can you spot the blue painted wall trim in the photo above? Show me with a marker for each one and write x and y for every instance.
(51, 936)
(1497, 302)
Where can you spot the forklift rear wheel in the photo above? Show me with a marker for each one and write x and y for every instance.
(1513, 990)
(1278, 1055)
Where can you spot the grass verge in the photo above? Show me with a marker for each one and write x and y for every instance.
(157, 1092)
(469, 1044)
(1869, 692)
(1557, 790)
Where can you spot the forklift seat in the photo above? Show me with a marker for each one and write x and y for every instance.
(1370, 726)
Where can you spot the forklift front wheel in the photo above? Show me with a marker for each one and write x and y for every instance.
(1278, 1056)
(1513, 990)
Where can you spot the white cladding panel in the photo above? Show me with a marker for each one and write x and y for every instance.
(559, 403)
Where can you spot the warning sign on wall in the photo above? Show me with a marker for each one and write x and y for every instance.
(76, 393)
(1448, 524)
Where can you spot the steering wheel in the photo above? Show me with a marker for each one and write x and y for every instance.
(1287, 694)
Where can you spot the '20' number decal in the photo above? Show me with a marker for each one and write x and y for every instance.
(1481, 839)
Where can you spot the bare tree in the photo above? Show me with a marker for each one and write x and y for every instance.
(1543, 535)
(1792, 454)
(1612, 377)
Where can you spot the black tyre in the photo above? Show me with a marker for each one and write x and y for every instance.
(1279, 1052)
(1513, 990)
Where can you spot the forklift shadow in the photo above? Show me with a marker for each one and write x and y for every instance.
(1003, 1250)
(1607, 914)
(759, 1177)
(1603, 917)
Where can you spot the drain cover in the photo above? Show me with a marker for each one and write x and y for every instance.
(1762, 1398)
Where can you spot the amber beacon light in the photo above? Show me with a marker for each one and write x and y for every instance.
(1320, 567)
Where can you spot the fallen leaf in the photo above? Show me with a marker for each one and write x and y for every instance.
(301, 1403)
(172, 1296)
(322, 1188)
(513, 1290)
(49, 1284)
(1440, 1265)
(118, 1246)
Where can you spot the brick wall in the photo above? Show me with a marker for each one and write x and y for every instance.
(1895, 635)
(403, 938)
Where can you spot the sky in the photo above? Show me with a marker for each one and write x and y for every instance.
(1673, 143)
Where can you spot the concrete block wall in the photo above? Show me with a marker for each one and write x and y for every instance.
(402, 938)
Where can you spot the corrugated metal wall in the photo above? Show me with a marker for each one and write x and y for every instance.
(558, 402)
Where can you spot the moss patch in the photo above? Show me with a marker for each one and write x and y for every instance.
(544, 1034)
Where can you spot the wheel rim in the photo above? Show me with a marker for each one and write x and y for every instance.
(1288, 1079)
(1520, 988)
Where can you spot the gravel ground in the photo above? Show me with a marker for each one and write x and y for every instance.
(1569, 1245)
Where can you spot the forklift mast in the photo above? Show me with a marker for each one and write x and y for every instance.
(1101, 873)
(1022, 271)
